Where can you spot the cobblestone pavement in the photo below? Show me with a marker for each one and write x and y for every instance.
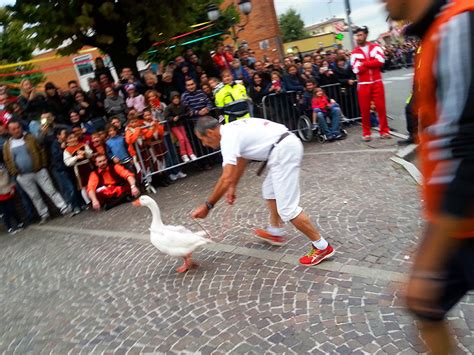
(94, 283)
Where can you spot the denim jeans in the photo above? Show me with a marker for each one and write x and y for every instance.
(171, 158)
(67, 188)
(335, 113)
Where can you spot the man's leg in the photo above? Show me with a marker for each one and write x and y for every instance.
(28, 184)
(378, 93)
(275, 220)
(44, 181)
(304, 225)
(273, 234)
(363, 93)
(285, 174)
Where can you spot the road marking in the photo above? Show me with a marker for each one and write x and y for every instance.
(400, 78)
(330, 265)
(355, 151)
(410, 167)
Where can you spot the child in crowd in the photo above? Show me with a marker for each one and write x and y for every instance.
(97, 145)
(152, 100)
(117, 149)
(176, 115)
(323, 107)
(277, 84)
(7, 203)
(135, 100)
(81, 134)
(117, 122)
(374, 119)
(76, 155)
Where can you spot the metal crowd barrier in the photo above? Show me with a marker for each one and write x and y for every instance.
(158, 156)
(286, 108)
(346, 97)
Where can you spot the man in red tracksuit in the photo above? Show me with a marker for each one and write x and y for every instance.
(367, 60)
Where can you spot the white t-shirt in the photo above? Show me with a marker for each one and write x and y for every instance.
(249, 138)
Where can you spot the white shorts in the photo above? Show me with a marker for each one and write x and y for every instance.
(283, 179)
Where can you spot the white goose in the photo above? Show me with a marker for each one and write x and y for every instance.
(175, 241)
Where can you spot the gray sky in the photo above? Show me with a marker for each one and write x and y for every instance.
(364, 12)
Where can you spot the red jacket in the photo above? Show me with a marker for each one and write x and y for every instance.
(320, 102)
(223, 61)
(368, 68)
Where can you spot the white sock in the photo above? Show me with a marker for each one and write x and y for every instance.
(278, 231)
(321, 244)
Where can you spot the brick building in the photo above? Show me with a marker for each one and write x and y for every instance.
(79, 66)
(262, 32)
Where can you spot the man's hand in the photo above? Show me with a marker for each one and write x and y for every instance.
(96, 205)
(230, 195)
(422, 294)
(200, 212)
(116, 160)
(135, 191)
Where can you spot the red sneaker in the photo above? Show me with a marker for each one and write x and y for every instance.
(275, 240)
(315, 256)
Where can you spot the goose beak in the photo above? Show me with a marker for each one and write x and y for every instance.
(137, 203)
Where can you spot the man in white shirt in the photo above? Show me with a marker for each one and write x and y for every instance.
(262, 140)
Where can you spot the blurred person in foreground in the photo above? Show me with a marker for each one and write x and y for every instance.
(443, 270)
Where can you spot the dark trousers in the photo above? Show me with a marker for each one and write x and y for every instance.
(7, 208)
(411, 119)
(30, 212)
(67, 187)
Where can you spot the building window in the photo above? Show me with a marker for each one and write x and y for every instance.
(83, 64)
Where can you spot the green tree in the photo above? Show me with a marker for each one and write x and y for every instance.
(292, 26)
(124, 29)
(16, 45)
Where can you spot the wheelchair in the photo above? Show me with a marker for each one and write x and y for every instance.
(306, 132)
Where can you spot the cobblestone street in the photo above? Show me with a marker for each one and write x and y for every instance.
(95, 284)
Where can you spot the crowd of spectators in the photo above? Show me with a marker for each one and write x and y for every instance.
(87, 148)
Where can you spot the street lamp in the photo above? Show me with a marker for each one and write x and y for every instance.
(213, 12)
(349, 22)
(245, 7)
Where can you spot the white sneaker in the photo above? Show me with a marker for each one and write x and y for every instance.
(185, 158)
(66, 210)
(181, 175)
(173, 177)
(193, 157)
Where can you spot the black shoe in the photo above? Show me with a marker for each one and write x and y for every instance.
(407, 141)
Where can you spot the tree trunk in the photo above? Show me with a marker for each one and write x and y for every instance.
(122, 59)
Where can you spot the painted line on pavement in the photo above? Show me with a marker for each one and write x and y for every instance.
(410, 167)
(355, 151)
(360, 271)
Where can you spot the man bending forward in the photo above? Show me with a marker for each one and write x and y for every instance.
(265, 141)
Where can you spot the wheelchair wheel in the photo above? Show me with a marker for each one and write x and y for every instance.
(322, 138)
(304, 129)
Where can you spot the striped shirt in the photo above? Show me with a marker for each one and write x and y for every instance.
(195, 101)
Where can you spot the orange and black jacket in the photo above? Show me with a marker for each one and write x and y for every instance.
(444, 99)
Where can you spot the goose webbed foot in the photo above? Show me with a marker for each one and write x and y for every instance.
(188, 264)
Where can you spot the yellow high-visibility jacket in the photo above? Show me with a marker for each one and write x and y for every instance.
(232, 99)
